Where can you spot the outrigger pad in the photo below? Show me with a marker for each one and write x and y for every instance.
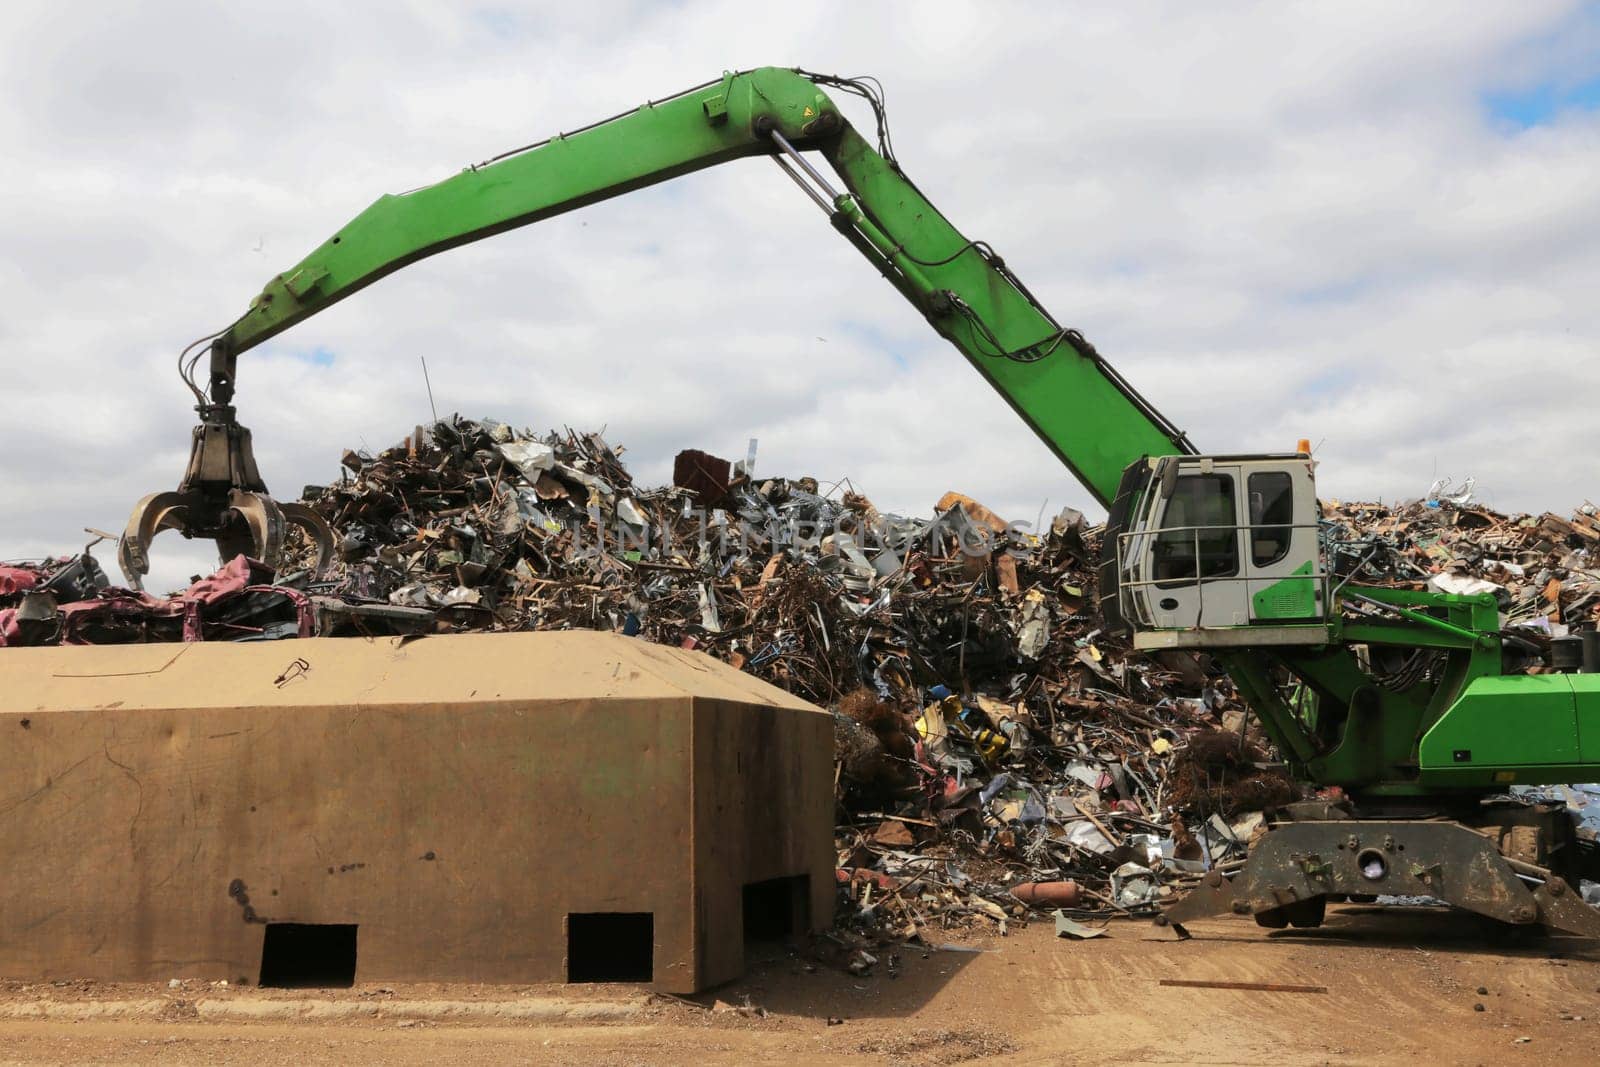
(1162, 928)
(1561, 908)
(1213, 896)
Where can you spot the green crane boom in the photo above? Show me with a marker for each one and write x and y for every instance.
(1083, 411)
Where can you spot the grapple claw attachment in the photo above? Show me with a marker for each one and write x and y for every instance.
(222, 499)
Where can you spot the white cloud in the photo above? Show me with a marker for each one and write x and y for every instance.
(1279, 221)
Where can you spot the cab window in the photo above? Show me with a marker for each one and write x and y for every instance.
(1197, 534)
(1271, 516)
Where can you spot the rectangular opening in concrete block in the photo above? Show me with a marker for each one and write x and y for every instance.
(611, 946)
(777, 908)
(308, 955)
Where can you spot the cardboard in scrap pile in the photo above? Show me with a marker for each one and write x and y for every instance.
(997, 753)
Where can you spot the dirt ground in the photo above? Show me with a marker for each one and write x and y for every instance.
(1402, 986)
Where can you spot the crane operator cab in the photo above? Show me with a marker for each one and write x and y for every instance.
(1216, 552)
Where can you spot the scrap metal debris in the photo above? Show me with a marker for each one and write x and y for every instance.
(1543, 570)
(69, 601)
(998, 755)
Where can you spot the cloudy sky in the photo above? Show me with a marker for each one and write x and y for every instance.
(1374, 225)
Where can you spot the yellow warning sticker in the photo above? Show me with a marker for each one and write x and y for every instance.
(1505, 776)
(808, 111)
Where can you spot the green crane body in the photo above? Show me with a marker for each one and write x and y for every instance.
(1437, 746)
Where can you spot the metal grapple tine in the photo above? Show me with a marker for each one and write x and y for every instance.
(316, 528)
(151, 515)
(263, 518)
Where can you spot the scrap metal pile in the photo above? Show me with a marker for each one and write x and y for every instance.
(1543, 570)
(997, 752)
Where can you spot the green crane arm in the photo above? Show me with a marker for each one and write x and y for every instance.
(1092, 419)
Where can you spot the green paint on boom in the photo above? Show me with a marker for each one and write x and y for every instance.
(1082, 409)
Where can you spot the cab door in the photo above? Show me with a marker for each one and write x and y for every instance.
(1194, 556)
(1282, 552)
